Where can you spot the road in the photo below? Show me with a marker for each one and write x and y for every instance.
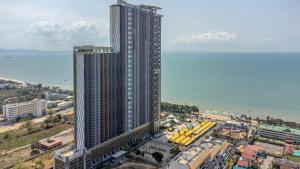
(66, 136)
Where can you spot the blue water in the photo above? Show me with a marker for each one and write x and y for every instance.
(296, 153)
(49, 68)
(258, 84)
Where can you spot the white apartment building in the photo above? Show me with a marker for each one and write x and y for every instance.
(35, 107)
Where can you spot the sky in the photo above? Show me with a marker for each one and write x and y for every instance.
(187, 25)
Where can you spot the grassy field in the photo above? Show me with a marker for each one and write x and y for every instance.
(293, 158)
(10, 93)
(10, 158)
(19, 137)
(43, 161)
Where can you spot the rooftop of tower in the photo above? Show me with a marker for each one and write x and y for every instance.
(142, 6)
(93, 49)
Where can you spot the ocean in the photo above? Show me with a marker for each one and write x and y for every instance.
(256, 84)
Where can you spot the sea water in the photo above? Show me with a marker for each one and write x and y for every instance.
(256, 84)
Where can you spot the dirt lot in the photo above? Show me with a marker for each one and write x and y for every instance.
(13, 157)
(271, 148)
(44, 161)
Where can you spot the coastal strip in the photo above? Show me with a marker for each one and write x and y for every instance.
(13, 80)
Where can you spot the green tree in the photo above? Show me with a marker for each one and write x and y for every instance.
(158, 156)
(175, 150)
(6, 135)
(51, 112)
(39, 86)
(57, 118)
(138, 152)
(214, 133)
(29, 127)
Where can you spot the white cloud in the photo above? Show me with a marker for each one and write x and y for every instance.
(208, 37)
(65, 35)
(52, 29)
(46, 29)
(82, 27)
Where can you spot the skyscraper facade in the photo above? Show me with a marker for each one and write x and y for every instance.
(136, 39)
(94, 93)
(117, 88)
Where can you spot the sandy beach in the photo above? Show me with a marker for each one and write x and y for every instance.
(18, 81)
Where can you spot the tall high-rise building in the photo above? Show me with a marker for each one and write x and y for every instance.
(136, 39)
(94, 93)
(117, 88)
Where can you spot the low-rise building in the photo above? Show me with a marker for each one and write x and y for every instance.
(64, 105)
(36, 107)
(236, 125)
(11, 100)
(284, 164)
(290, 135)
(249, 157)
(51, 104)
(5, 86)
(234, 130)
(207, 155)
(56, 96)
(50, 143)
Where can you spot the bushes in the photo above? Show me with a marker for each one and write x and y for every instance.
(6, 135)
(275, 121)
(51, 121)
(138, 152)
(271, 141)
(31, 129)
(293, 158)
(175, 150)
(176, 108)
(158, 156)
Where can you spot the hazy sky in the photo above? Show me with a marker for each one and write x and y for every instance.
(209, 25)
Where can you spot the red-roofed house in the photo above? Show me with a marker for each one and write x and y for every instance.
(254, 148)
(50, 143)
(243, 163)
(249, 156)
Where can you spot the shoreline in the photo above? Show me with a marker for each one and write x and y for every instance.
(253, 115)
(35, 83)
(13, 80)
(204, 111)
